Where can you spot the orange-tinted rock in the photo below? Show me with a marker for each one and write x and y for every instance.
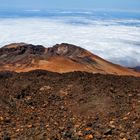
(60, 58)
(88, 137)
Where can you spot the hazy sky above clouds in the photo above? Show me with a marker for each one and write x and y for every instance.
(132, 5)
(115, 38)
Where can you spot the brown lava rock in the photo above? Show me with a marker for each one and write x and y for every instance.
(42, 105)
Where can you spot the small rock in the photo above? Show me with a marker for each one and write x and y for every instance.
(125, 118)
(77, 125)
(47, 126)
(67, 134)
(61, 128)
(79, 133)
(97, 135)
(108, 132)
(7, 120)
(1, 118)
(112, 126)
(90, 136)
(123, 139)
(62, 107)
(45, 88)
(87, 132)
(111, 122)
(89, 124)
(17, 130)
(30, 126)
(122, 135)
(128, 113)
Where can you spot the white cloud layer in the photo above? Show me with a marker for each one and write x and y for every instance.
(115, 40)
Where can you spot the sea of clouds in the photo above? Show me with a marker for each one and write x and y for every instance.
(117, 40)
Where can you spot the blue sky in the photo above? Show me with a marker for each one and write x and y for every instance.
(128, 5)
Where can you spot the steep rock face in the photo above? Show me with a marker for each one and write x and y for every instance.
(21, 57)
(20, 49)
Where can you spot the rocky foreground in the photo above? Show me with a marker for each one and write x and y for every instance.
(41, 105)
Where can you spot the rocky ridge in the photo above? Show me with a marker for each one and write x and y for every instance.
(61, 58)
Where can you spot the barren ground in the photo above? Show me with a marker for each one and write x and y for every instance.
(41, 105)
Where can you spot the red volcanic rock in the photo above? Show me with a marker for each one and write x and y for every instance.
(61, 58)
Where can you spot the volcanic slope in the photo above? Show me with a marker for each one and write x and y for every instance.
(61, 58)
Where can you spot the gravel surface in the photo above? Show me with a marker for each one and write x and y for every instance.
(42, 105)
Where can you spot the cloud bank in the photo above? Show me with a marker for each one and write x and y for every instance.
(115, 40)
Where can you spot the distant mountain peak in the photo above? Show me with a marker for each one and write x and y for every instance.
(61, 58)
